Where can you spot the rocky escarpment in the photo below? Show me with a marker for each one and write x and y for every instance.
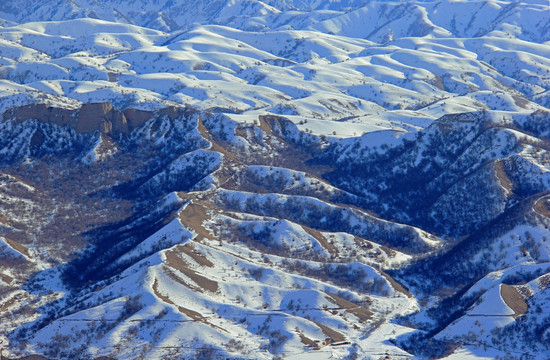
(102, 117)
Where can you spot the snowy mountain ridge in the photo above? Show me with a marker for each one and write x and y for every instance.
(466, 18)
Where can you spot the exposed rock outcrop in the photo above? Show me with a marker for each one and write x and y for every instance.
(136, 117)
(102, 117)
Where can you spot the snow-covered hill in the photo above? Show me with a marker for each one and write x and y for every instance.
(278, 179)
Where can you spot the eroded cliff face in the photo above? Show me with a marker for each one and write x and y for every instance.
(102, 117)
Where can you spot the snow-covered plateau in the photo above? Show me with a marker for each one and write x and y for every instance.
(278, 179)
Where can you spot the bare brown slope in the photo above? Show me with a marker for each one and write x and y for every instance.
(513, 299)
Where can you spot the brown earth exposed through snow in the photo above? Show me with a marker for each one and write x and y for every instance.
(513, 299)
